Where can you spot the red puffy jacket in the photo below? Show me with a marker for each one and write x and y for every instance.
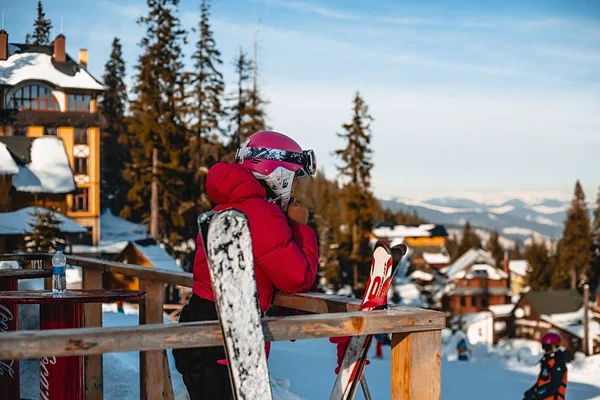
(285, 257)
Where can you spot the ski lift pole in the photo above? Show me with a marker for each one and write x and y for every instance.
(365, 388)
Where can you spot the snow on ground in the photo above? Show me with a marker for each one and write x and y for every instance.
(502, 374)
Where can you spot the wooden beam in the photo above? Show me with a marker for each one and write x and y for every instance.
(85, 341)
(149, 274)
(320, 303)
(94, 384)
(152, 365)
(416, 366)
(310, 302)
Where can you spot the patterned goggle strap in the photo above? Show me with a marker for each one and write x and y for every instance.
(306, 159)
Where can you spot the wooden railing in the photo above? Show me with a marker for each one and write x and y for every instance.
(416, 333)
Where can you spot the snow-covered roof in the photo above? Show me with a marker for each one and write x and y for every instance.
(25, 65)
(481, 270)
(518, 267)
(403, 231)
(48, 169)
(15, 222)
(115, 228)
(471, 318)
(573, 322)
(436, 258)
(502, 309)
(115, 234)
(8, 166)
(472, 256)
(157, 256)
(421, 275)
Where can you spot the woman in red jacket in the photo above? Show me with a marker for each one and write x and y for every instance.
(284, 247)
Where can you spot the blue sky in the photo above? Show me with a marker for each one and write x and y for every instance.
(467, 96)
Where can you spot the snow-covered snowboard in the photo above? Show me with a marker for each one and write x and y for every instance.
(383, 264)
(228, 247)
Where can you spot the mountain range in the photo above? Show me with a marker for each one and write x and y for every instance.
(516, 219)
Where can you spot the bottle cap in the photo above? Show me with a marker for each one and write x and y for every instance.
(59, 248)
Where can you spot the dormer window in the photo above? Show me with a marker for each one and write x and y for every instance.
(33, 97)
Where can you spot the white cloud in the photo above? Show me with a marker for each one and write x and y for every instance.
(125, 10)
(307, 7)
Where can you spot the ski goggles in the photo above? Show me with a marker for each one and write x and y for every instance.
(307, 159)
(549, 347)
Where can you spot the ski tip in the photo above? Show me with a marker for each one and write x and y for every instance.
(401, 249)
(382, 243)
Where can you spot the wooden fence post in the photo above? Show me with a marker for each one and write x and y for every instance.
(47, 264)
(416, 366)
(94, 383)
(155, 381)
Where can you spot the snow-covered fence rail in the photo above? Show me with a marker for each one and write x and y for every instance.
(416, 333)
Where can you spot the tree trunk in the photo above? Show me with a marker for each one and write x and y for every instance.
(574, 278)
(355, 248)
(154, 197)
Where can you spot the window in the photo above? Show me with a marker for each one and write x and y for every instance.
(80, 200)
(50, 131)
(463, 301)
(484, 302)
(79, 102)
(19, 130)
(81, 136)
(33, 97)
(81, 165)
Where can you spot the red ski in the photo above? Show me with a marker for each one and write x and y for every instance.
(383, 266)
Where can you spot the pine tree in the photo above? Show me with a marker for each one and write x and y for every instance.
(255, 112)
(208, 93)
(595, 270)
(41, 28)
(114, 154)
(516, 253)
(469, 240)
(237, 111)
(45, 232)
(452, 243)
(540, 264)
(246, 112)
(330, 220)
(356, 172)
(156, 123)
(573, 249)
(495, 248)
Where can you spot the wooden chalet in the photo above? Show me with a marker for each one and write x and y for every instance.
(473, 283)
(536, 313)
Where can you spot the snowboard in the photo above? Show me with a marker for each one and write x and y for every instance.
(383, 265)
(228, 248)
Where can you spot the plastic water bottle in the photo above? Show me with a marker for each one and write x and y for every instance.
(59, 277)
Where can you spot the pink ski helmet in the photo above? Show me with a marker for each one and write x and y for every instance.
(551, 341)
(276, 160)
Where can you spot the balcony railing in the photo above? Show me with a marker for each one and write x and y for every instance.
(416, 333)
